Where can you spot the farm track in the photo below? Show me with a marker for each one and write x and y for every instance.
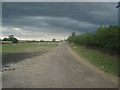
(59, 68)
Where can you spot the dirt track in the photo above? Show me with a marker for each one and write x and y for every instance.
(60, 68)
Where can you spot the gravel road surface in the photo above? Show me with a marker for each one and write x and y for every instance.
(58, 68)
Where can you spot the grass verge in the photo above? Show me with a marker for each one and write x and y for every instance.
(103, 61)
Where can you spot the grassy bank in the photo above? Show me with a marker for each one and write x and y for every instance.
(27, 47)
(103, 61)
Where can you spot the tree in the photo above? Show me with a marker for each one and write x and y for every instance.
(53, 40)
(73, 34)
(41, 40)
(11, 38)
(14, 40)
(5, 39)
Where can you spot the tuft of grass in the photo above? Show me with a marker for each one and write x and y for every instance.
(27, 47)
(101, 60)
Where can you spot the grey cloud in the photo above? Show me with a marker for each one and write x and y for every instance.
(52, 22)
(55, 19)
(80, 11)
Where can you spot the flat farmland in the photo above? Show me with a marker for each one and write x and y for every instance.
(15, 52)
(27, 47)
(60, 67)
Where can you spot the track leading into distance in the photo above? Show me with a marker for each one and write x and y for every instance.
(59, 68)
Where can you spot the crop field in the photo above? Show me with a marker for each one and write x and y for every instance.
(27, 47)
(12, 53)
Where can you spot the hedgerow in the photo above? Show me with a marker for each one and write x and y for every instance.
(105, 38)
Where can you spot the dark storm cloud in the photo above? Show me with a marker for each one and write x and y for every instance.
(54, 18)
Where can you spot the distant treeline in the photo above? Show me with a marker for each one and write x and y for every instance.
(105, 39)
(11, 38)
(37, 41)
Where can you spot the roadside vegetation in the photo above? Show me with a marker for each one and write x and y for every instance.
(100, 48)
(103, 61)
(105, 39)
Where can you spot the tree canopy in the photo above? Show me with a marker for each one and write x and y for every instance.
(53, 40)
(11, 38)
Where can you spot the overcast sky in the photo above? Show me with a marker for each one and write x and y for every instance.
(36, 21)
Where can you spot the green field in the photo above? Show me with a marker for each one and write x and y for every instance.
(27, 47)
(103, 61)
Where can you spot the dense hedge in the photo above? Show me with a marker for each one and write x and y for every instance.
(105, 39)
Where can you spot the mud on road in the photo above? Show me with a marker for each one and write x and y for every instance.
(16, 57)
